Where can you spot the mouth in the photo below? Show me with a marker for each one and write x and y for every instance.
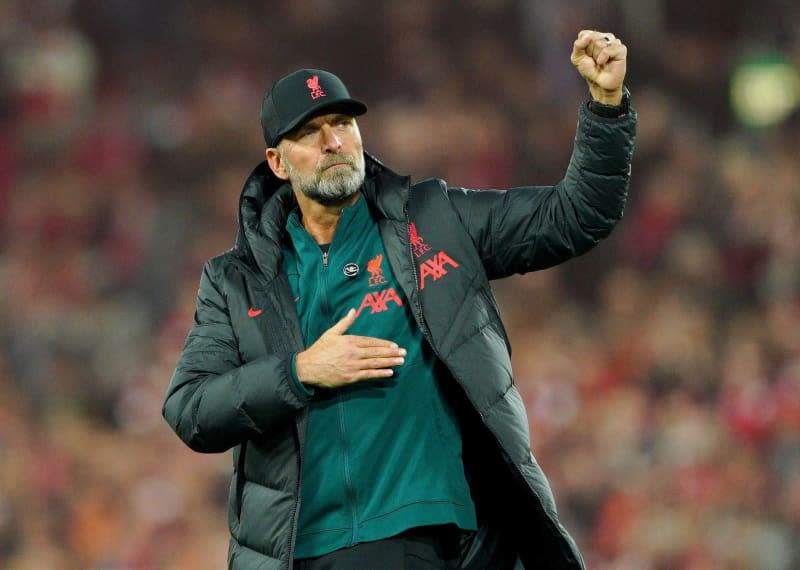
(335, 165)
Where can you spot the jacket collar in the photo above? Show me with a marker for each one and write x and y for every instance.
(385, 190)
(266, 201)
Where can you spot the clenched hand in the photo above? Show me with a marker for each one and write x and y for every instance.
(601, 59)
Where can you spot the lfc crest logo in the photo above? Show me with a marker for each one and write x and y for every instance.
(418, 245)
(375, 271)
(315, 87)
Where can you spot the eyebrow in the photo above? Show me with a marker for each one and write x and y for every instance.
(315, 123)
(340, 116)
(306, 128)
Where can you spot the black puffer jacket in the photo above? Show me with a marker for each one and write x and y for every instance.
(232, 385)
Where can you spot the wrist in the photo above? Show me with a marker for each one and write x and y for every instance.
(307, 389)
(612, 110)
(605, 97)
(298, 368)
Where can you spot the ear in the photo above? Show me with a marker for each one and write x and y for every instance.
(276, 163)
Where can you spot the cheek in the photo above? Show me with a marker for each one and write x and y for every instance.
(355, 147)
(305, 163)
(357, 142)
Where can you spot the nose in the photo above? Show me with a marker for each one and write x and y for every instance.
(330, 142)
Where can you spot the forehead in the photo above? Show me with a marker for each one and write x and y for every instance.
(327, 116)
(330, 116)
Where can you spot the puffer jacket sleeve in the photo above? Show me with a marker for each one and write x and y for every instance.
(528, 228)
(215, 401)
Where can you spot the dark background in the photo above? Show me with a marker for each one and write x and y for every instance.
(661, 372)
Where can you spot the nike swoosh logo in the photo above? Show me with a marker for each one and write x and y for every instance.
(253, 313)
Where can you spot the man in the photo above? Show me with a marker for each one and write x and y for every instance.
(350, 351)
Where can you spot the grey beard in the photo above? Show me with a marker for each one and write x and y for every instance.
(332, 187)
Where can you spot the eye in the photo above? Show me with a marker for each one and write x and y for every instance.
(304, 133)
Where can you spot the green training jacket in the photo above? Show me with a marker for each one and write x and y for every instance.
(381, 456)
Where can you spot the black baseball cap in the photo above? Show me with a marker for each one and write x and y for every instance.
(297, 97)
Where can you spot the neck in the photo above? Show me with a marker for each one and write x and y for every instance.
(320, 220)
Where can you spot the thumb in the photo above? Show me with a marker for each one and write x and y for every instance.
(344, 324)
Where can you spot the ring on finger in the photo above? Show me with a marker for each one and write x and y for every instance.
(608, 40)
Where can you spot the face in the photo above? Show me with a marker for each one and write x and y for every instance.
(323, 159)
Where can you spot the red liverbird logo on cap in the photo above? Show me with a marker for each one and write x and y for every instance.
(315, 87)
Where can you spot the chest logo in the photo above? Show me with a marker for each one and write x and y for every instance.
(435, 267)
(350, 270)
(418, 245)
(253, 312)
(376, 271)
(378, 301)
(315, 87)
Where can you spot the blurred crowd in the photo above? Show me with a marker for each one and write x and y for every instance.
(661, 371)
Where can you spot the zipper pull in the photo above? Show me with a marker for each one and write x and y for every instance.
(324, 259)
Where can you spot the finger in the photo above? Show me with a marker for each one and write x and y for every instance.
(344, 324)
(377, 363)
(382, 352)
(614, 51)
(591, 34)
(592, 41)
(371, 374)
(598, 42)
(583, 41)
(584, 37)
(371, 341)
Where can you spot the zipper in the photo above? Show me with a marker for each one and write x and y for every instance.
(293, 520)
(323, 287)
(348, 478)
(418, 305)
(301, 447)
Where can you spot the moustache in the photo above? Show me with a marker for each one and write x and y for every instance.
(336, 159)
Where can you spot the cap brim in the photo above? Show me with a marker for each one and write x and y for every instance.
(351, 106)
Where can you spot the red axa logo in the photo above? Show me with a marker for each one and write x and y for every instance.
(435, 267)
(315, 87)
(378, 301)
(418, 245)
(375, 271)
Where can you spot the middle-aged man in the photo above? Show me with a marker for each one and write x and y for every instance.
(350, 351)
